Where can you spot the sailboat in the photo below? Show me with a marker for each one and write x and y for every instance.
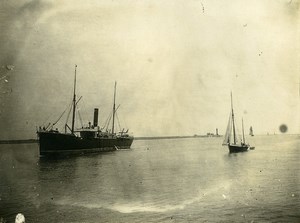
(84, 140)
(231, 136)
(251, 131)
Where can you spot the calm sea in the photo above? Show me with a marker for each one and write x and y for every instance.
(165, 180)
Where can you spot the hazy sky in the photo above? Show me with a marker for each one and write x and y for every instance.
(175, 63)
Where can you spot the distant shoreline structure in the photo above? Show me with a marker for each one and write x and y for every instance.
(176, 137)
(18, 141)
(23, 141)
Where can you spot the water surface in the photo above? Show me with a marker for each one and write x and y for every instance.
(163, 180)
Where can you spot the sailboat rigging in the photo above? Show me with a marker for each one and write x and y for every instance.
(230, 138)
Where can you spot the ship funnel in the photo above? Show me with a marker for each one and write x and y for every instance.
(95, 117)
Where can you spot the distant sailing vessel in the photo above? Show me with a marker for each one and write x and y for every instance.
(251, 131)
(231, 137)
(84, 140)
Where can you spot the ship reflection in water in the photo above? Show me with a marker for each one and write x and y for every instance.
(159, 180)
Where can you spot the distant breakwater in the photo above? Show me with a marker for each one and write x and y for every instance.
(18, 141)
(22, 141)
(174, 137)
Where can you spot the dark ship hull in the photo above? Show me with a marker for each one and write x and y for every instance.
(84, 140)
(238, 148)
(54, 143)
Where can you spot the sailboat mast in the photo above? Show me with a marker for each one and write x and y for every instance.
(243, 131)
(114, 109)
(74, 102)
(234, 137)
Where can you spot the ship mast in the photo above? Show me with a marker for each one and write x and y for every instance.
(74, 102)
(234, 137)
(114, 109)
(243, 131)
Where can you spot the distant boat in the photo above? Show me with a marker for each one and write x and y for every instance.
(251, 131)
(231, 137)
(83, 140)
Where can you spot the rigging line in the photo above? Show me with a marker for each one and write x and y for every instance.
(118, 122)
(46, 120)
(76, 120)
(47, 126)
(84, 110)
(80, 119)
(68, 115)
(60, 116)
(78, 100)
(111, 114)
(238, 131)
(77, 110)
(108, 120)
(55, 102)
(123, 120)
(105, 123)
(227, 136)
(117, 108)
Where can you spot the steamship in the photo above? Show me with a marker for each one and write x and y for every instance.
(84, 140)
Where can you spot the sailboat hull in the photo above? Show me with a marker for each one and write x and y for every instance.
(238, 148)
(54, 143)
